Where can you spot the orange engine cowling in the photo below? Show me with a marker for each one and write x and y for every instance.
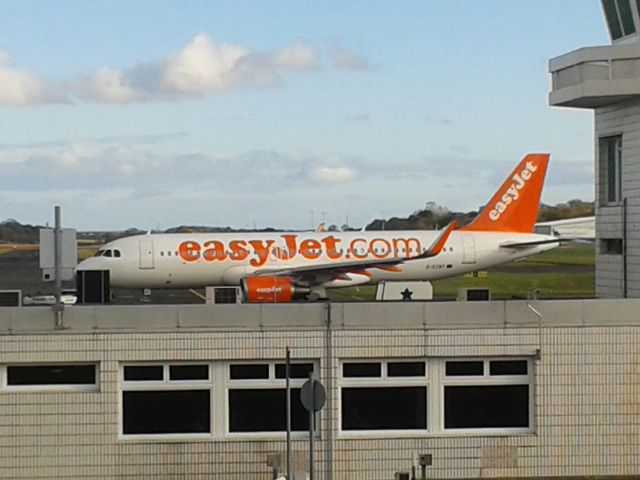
(270, 290)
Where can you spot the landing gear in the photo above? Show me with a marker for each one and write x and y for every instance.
(317, 294)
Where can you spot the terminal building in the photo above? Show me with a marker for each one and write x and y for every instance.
(488, 389)
(606, 79)
(524, 389)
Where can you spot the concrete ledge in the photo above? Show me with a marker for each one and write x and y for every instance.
(346, 316)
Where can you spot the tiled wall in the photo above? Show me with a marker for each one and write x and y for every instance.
(586, 413)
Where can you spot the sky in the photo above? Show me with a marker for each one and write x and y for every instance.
(154, 114)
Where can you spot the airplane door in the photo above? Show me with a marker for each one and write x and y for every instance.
(468, 249)
(146, 255)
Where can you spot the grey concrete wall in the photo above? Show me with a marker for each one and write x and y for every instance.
(355, 315)
(621, 118)
(586, 412)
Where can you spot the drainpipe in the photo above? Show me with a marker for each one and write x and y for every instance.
(624, 248)
(328, 417)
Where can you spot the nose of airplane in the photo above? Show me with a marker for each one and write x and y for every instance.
(90, 264)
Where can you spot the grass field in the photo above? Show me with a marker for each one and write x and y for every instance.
(579, 254)
(85, 249)
(566, 272)
(522, 285)
(10, 247)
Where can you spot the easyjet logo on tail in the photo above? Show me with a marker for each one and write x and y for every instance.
(514, 206)
(513, 192)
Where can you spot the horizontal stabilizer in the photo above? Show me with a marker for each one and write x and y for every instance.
(519, 245)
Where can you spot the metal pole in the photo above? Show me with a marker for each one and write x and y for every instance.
(57, 242)
(311, 419)
(288, 402)
(624, 248)
(328, 417)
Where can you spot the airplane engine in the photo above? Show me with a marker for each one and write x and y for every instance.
(271, 290)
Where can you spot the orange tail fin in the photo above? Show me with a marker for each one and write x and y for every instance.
(514, 207)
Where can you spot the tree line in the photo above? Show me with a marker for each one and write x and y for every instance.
(429, 218)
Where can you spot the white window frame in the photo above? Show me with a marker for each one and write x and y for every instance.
(218, 384)
(164, 385)
(264, 383)
(53, 387)
(487, 380)
(604, 169)
(383, 381)
(435, 380)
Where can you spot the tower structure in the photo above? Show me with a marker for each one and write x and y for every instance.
(606, 79)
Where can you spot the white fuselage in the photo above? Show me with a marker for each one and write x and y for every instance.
(209, 259)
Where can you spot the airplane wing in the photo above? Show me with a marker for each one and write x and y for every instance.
(337, 268)
(326, 268)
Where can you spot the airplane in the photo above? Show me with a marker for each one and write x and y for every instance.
(286, 266)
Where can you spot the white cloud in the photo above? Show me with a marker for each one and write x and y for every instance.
(299, 56)
(109, 86)
(104, 165)
(202, 66)
(332, 174)
(21, 88)
(75, 156)
(101, 178)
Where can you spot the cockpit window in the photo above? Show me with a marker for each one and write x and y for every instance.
(108, 253)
